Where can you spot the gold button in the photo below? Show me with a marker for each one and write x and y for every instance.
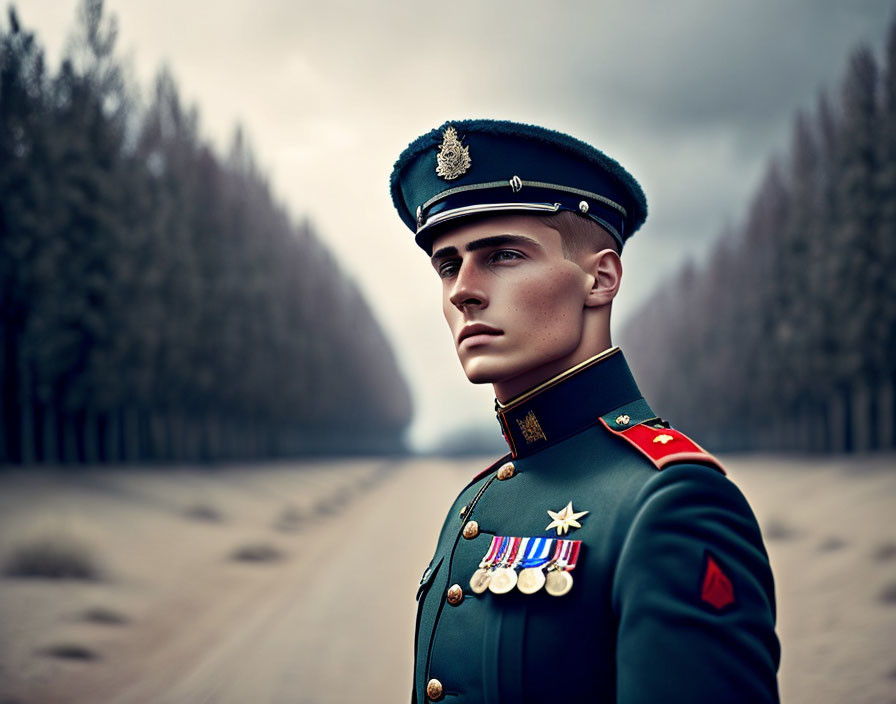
(463, 512)
(506, 471)
(624, 419)
(455, 594)
(434, 689)
(471, 530)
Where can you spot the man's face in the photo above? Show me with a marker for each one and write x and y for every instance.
(515, 305)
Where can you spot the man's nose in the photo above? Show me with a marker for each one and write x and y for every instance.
(468, 289)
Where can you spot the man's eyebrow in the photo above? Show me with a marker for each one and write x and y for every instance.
(444, 252)
(494, 241)
(498, 240)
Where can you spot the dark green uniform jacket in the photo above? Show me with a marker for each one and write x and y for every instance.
(672, 597)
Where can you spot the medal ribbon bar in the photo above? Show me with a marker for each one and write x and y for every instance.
(523, 563)
(537, 552)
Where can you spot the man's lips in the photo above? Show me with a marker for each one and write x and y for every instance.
(477, 333)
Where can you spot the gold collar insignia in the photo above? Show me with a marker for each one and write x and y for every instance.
(531, 428)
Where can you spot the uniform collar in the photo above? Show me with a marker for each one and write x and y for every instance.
(567, 404)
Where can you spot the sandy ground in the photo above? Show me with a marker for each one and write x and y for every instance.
(332, 619)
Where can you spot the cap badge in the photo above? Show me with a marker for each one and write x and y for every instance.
(566, 518)
(453, 159)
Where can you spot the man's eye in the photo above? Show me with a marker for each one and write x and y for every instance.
(505, 255)
(447, 269)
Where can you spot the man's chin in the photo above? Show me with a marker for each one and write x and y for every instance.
(479, 377)
(482, 371)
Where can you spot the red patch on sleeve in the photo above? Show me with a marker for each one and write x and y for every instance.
(717, 590)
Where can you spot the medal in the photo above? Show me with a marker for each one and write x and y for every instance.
(504, 577)
(535, 581)
(558, 581)
(523, 563)
(530, 580)
(479, 581)
(531, 577)
(481, 577)
(502, 581)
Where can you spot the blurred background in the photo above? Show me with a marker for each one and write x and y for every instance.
(229, 398)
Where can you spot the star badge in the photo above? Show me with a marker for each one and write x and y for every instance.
(565, 518)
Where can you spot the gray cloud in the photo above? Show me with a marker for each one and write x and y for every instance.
(691, 96)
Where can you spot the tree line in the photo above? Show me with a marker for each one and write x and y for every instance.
(785, 337)
(156, 302)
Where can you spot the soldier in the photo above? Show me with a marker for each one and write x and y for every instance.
(606, 558)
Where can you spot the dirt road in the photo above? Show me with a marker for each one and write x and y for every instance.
(331, 622)
(332, 619)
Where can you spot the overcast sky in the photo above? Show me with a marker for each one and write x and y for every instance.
(692, 97)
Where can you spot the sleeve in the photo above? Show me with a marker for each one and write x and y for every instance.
(694, 596)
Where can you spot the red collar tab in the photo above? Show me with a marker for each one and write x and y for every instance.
(664, 446)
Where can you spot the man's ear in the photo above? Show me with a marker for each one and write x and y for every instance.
(606, 269)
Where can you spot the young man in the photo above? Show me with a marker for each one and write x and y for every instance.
(607, 558)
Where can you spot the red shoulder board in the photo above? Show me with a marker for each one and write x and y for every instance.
(663, 446)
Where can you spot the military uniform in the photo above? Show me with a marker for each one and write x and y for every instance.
(606, 558)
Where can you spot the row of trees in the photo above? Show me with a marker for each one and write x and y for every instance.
(155, 301)
(785, 339)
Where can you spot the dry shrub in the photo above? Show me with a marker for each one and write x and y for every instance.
(290, 519)
(53, 556)
(777, 529)
(323, 506)
(885, 552)
(888, 594)
(104, 616)
(832, 543)
(334, 503)
(71, 651)
(203, 512)
(257, 552)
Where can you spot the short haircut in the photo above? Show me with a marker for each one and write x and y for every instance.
(579, 233)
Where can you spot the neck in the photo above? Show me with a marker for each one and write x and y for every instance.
(552, 380)
(595, 340)
(565, 405)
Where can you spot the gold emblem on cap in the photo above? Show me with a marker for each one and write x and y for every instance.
(531, 428)
(565, 518)
(663, 438)
(453, 159)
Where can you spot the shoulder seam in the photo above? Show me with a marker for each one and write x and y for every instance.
(480, 475)
(665, 453)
